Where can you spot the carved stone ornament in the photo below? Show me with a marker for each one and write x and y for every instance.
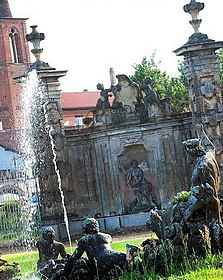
(126, 94)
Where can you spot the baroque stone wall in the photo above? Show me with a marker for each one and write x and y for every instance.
(99, 160)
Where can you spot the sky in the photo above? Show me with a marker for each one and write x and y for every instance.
(87, 37)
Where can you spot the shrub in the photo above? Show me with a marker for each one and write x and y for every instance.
(181, 197)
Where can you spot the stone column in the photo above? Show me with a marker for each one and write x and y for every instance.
(201, 68)
(50, 147)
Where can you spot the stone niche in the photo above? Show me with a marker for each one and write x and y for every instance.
(137, 180)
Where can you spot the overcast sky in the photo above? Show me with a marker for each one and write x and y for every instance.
(87, 37)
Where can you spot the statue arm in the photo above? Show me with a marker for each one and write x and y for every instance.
(128, 178)
(39, 248)
(75, 256)
(77, 253)
(63, 251)
(41, 259)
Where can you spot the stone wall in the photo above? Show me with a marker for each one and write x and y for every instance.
(100, 159)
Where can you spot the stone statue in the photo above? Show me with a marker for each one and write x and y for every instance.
(142, 200)
(103, 102)
(194, 221)
(151, 99)
(205, 176)
(49, 248)
(103, 260)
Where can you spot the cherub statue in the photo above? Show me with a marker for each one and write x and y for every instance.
(103, 102)
(151, 99)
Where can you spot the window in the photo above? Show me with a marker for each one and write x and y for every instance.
(79, 120)
(14, 46)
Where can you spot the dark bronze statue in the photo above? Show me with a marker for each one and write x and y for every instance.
(104, 262)
(49, 248)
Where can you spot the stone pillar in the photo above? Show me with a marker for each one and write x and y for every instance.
(50, 146)
(201, 68)
(55, 147)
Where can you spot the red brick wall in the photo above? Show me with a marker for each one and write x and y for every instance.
(10, 90)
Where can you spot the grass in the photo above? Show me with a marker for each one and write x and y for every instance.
(190, 270)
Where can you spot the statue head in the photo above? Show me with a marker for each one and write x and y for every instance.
(48, 234)
(122, 78)
(148, 80)
(90, 225)
(193, 148)
(134, 163)
(100, 86)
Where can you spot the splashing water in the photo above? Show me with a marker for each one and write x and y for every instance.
(18, 217)
(60, 185)
(35, 104)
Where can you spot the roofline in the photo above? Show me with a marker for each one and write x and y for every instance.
(10, 149)
(77, 108)
(10, 18)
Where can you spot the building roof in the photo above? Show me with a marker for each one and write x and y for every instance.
(5, 11)
(9, 139)
(85, 99)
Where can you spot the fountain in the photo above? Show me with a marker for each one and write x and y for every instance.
(20, 213)
(106, 156)
(47, 130)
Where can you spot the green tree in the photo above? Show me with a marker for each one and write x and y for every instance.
(174, 88)
(10, 213)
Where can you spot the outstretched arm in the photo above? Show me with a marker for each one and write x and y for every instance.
(75, 256)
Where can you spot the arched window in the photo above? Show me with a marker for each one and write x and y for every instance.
(15, 46)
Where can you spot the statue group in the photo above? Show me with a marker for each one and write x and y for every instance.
(191, 225)
(129, 99)
(102, 262)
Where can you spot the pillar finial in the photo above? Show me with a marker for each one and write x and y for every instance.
(193, 8)
(35, 38)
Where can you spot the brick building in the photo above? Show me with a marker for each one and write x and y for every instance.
(14, 61)
(78, 105)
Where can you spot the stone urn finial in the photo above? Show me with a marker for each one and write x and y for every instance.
(35, 37)
(193, 8)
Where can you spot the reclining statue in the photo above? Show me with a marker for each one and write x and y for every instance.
(103, 261)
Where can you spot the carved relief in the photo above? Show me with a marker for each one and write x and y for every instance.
(136, 182)
(126, 93)
(53, 114)
(207, 89)
(142, 199)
